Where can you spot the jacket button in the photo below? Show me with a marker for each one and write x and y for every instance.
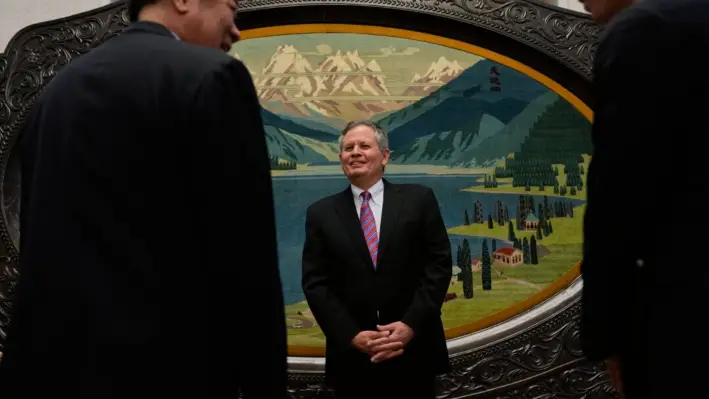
(640, 263)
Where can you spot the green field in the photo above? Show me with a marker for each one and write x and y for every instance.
(505, 293)
(551, 268)
(510, 285)
(312, 336)
(561, 251)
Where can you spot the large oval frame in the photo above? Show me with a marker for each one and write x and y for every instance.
(537, 352)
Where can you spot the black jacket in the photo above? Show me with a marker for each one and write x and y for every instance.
(347, 294)
(139, 164)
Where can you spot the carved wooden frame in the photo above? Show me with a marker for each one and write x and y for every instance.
(536, 354)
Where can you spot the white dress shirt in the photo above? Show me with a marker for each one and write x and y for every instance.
(376, 203)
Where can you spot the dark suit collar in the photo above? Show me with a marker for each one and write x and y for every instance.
(390, 214)
(150, 27)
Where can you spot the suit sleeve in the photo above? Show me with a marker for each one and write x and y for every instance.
(438, 271)
(625, 87)
(332, 316)
(246, 299)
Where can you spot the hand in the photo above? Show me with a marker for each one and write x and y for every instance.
(365, 340)
(393, 344)
(613, 369)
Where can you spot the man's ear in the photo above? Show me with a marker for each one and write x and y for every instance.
(385, 156)
(182, 6)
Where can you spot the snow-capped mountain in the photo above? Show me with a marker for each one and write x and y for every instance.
(439, 73)
(341, 86)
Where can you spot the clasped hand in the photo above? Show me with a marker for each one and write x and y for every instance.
(386, 343)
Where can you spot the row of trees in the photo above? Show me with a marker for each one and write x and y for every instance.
(563, 190)
(548, 178)
(465, 263)
(490, 181)
(500, 215)
(528, 247)
(543, 211)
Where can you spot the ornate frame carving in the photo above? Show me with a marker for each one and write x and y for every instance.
(535, 354)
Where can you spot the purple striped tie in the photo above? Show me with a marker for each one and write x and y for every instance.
(369, 227)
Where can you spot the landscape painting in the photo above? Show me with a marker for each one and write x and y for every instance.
(505, 155)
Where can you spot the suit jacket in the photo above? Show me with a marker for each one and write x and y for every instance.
(134, 246)
(347, 294)
(650, 89)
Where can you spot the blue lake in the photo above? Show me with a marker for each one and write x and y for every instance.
(293, 195)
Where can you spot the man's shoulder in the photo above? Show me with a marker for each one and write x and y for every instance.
(632, 26)
(412, 189)
(324, 204)
(204, 56)
(192, 59)
(652, 26)
(680, 11)
(143, 56)
(630, 20)
(649, 15)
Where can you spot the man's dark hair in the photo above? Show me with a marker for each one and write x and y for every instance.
(136, 6)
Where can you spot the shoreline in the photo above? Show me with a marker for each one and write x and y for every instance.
(392, 169)
(521, 191)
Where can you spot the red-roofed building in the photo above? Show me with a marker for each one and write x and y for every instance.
(509, 256)
(476, 264)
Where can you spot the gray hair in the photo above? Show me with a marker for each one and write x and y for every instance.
(379, 133)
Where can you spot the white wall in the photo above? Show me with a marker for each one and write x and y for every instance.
(571, 4)
(16, 14)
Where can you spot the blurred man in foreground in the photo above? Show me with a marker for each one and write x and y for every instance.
(139, 162)
(650, 87)
(376, 267)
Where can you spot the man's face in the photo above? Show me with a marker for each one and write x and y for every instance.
(360, 155)
(604, 10)
(210, 23)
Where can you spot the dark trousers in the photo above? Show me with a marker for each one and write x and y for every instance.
(663, 359)
(386, 386)
(667, 377)
(410, 390)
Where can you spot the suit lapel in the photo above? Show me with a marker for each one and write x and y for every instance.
(350, 222)
(390, 216)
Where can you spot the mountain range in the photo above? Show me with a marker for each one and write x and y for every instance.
(467, 118)
(445, 127)
(342, 86)
(290, 84)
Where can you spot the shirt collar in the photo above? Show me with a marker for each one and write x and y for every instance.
(376, 190)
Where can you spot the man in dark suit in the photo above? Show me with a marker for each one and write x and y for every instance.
(650, 88)
(138, 164)
(376, 267)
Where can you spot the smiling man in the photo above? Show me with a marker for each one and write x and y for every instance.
(376, 267)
